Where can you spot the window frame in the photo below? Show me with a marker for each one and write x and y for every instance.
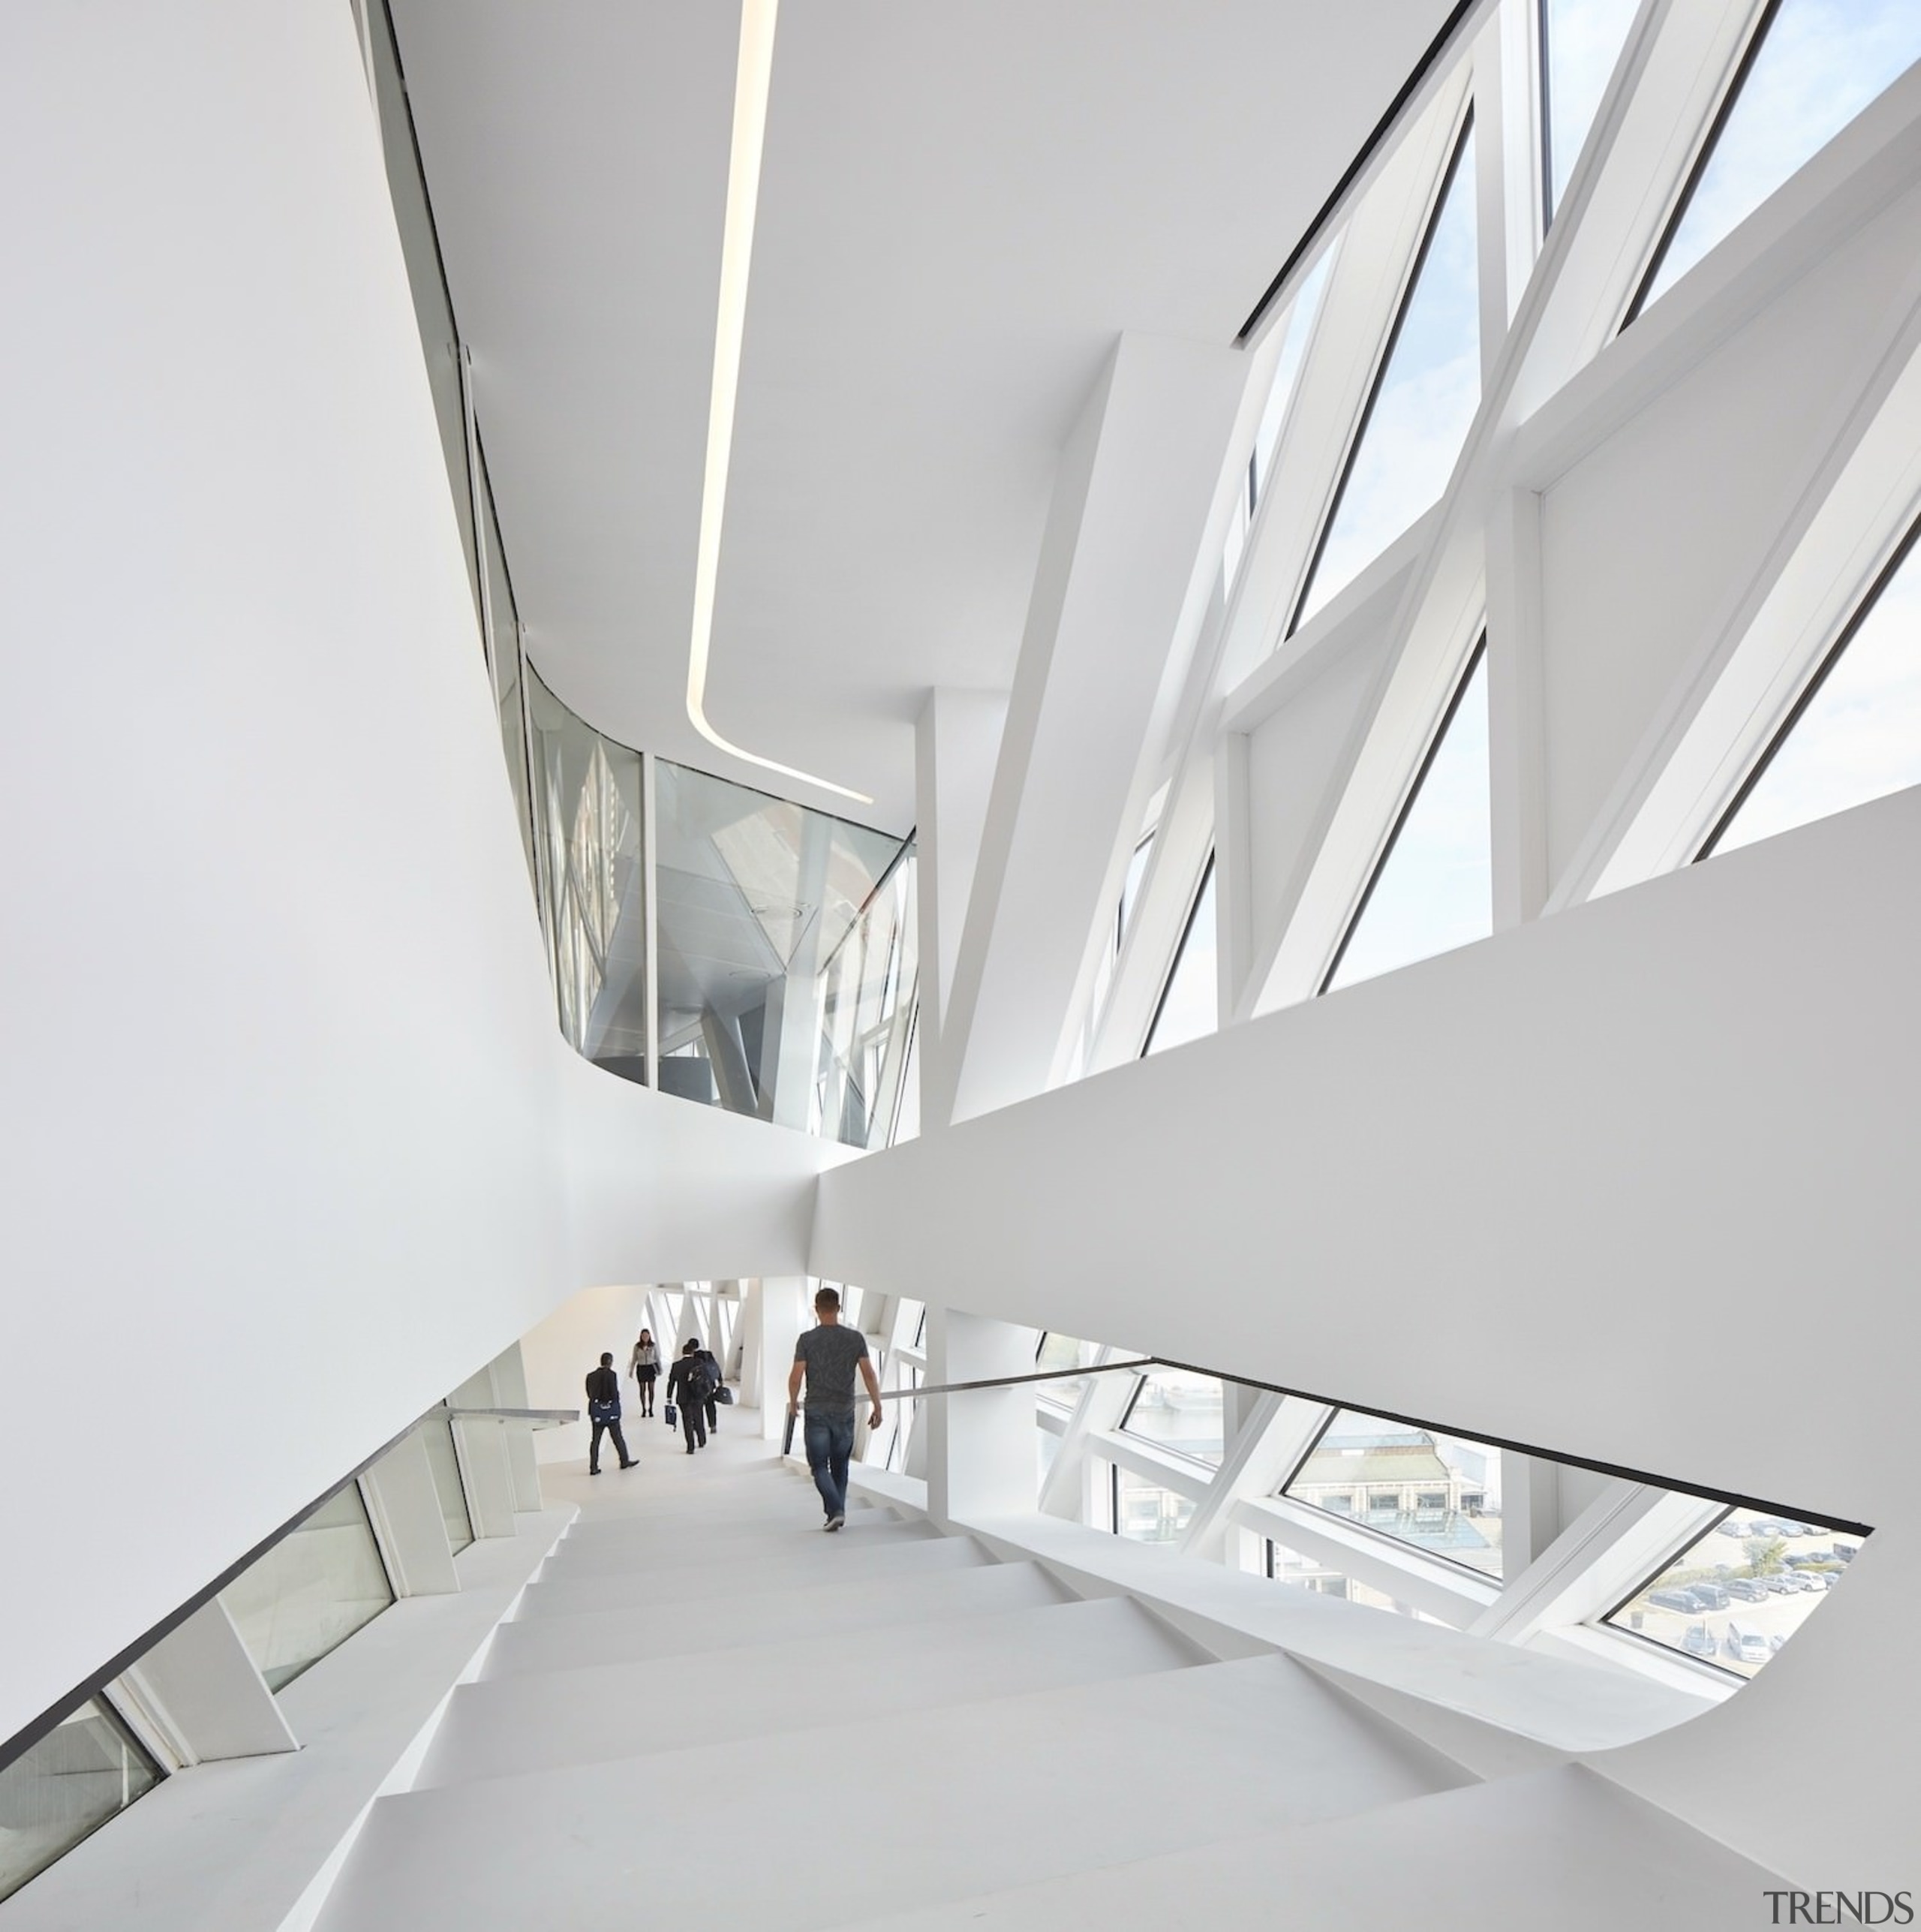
(1359, 1520)
(1862, 609)
(1409, 798)
(1698, 166)
(1180, 953)
(1450, 169)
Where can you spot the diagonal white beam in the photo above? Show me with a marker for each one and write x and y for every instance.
(1125, 567)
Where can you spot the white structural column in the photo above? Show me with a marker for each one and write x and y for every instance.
(957, 739)
(1121, 582)
(980, 1446)
(783, 1314)
(203, 1696)
(405, 1508)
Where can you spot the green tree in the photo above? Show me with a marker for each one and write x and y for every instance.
(1764, 1554)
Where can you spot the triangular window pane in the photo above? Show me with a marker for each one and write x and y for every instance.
(1433, 888)
(1815, 65)
(1190, 1003)
(1440, 1493)
(1857, 734)
(1581, 41)
(1424, 399)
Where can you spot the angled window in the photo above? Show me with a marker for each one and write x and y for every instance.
(1580, 42)
(1190, 1001)
(1300, 325)
(1287, 372)
(1416, 417)
(1144, 1512)
(1439, 1494)
(1130, 890)
(1856, 733)
(1057, 1352)
(1179, 1411)
(1734, 1595)
(1810, 67)
(1432, 886)
(67, 1784)
(321, 1582)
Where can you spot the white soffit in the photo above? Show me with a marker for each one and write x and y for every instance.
(960, 209)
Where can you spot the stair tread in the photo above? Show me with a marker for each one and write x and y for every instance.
(505, 1727)
(1560, 1847)
(675, 1546)
(822, 1559)
(606, 1636)
(1179, 1757)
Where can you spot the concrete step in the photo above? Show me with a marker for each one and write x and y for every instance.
(841, 1608)
(1562, 1848)
(752, 1546)
(507, 1726)
(931, 1806)
(819, 1559)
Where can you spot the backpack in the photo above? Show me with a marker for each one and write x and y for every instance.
(697, 1385)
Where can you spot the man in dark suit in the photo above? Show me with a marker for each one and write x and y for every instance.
(603, 1407)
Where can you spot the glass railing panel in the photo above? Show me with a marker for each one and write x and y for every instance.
(310, 1592)
(86, 1770)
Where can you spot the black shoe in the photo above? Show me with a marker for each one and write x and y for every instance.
(593, 1471)
(634, 1464)
(689, 1452)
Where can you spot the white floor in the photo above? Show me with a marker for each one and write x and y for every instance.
(703, 1697)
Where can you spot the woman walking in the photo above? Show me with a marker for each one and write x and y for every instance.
(645, 1369)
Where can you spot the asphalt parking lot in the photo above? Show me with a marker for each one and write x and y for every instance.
(1779, 1616)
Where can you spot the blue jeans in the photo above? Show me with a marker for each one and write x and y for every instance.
(830, 1440)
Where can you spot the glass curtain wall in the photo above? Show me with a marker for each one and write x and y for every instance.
(785, 943)
(86, 1770)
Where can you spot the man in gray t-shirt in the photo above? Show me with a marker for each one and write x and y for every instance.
(825, 1358)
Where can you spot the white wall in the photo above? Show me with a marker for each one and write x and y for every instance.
(286, 1117)
(1640, 1176)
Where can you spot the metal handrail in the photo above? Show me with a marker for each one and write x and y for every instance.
(551, 1417)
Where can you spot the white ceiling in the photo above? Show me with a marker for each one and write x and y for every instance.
(961, 207)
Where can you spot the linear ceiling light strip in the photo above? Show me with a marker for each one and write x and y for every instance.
(751, 80)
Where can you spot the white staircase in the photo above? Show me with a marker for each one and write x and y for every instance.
(706, 1707)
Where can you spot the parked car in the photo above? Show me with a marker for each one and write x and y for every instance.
(1710, 1595)
(1697, 1640)
(1746, 1646)
(1801, 1559)
(1846, 1552)
(1685, 1601)
(1782, 1583)
(1733, 1527)
(1794, 1529)
(1764, 1525)
(1749, 1588)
